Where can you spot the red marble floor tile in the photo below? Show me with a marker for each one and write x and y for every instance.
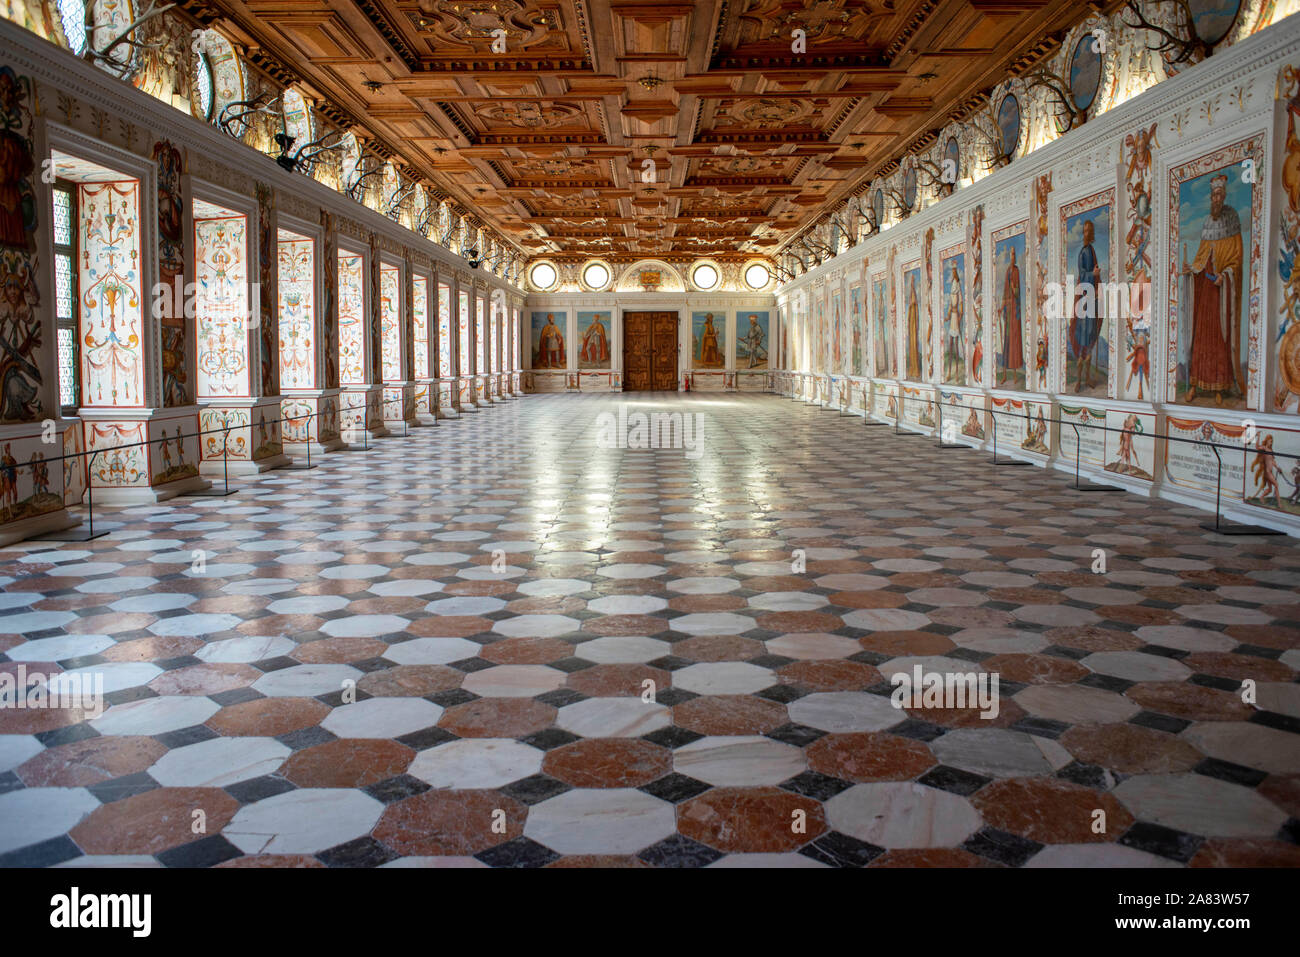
(763, 583)
(389, 605)
(109, 623)
(788, 622)
(625, 625)
(834, 675)
(10, 641)
(868, 599)
(1035, 669)
(347, 763)
(1050, 811)
(1229, 852)
(337, 651)
(554, 605)
(899, 643)
(618, 681)
(1008, 714)
(152, 648)
(718, 648)
(1212, 576)
(608, 763)
(1138, 615)
(336, 586)
(478, 589)
(965, 617)
(1130, 748)
(726, 714)
(205, 679)
(410, 681)
(1025, 596)
(498, 718)
(1172, 595)
(703, 603)
(90, 761)
(1283, 790)
(450, 823)
(912, 580)
(597, 860)
(527, 651)
(278, 861)
(1226, 664)
(230, 605)
(751, 820)
(268, 717)
(1093, 638)
(930, 857)
(1266, 636)
(448, 626)
(154, 821)
(1077, 579)
(71, 602)
(869, 756)
(842, 566)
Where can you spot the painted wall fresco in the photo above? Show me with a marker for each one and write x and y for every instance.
(173, 450)
(839, 341)
(1285, 355)
(176, 378)
(329, 312)
(374, 316)
(462, 323)
(420, 326)
(1131, 444)
(408, 324)
(1215, 233)
(1011, 328)
(548, 349)
(927, 303)
(952, 324)
(1089, 444)
(21, 361)
(913, 323)
(1136, 336)
(390, 326)
(595, 340)
(975, 351)
(29, 484)
(1009, 422)
(820, 345)
(297, 286)
(112, 314)
(1086, 231)
(1192, 466)
(221, 306)
(444, 331)
(482, 331)
(708, 340)
(267, 262)
(752, 340)
(1272, 476)
(115, 465)
(882, 326)
(352, 321)
(1038, 373)
(857, 333)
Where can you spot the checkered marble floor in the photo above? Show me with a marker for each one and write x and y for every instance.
(494, 643)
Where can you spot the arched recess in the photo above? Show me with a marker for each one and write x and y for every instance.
(670, 280)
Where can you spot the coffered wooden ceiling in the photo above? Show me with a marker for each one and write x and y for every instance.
(747, 140)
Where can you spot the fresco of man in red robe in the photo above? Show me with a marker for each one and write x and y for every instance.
(1013, 336)
(1214, 279)
(595, 343)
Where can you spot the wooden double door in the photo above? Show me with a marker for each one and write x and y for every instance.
(650, 351)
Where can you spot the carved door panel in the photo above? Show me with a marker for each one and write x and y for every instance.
(636, 352)
(649, 351)
(665, 351)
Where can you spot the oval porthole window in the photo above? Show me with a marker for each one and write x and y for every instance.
(203, 83)
(1009, 125)
(704, 276)
(596, 276)
(1085, 72)
(542, 276)
(757, 276)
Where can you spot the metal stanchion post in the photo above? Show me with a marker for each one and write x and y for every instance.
(1090, 487)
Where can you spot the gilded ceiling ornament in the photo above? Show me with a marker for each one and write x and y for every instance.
(474, 23)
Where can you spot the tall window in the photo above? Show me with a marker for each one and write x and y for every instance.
(65, 298)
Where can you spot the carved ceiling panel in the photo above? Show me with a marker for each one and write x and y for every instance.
(647, 127)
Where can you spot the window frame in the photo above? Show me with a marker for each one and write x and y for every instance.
(70, 250)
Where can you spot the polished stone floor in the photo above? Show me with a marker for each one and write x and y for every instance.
(495, 642)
